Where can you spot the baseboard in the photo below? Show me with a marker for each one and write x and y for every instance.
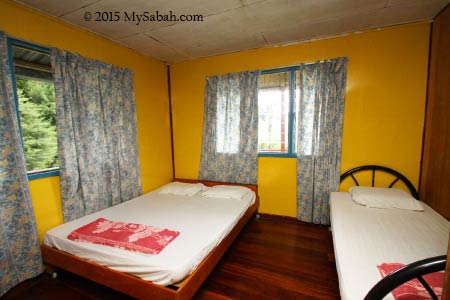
(278, 218)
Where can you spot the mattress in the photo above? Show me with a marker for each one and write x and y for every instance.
(367, 237)
(202, 222)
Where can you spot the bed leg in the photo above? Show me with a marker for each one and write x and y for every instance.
(330, 252)
(52, 271)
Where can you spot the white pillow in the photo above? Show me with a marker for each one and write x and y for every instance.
(384, 198)
(182, 188)
(226, 191)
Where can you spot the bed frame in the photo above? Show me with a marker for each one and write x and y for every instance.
(414, 270)
(408, 272)
(374, 168)
(142, 289)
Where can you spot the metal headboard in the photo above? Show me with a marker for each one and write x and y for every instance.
(374, 169)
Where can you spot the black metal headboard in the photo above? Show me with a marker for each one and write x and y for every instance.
(375, 168)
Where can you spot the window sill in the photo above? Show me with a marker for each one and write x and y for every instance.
(43, 174)
(284, 155)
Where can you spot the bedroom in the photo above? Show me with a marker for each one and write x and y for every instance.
(386, 90)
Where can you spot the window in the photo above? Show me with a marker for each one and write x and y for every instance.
(35, 102)
(277, 106)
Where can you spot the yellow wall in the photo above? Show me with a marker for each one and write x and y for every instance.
(150, 77)
(384, 113)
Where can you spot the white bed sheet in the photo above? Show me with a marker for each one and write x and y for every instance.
(202, 222)
(366, 237)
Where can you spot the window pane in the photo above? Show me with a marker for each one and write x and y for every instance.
(37, 107)
(273, 113)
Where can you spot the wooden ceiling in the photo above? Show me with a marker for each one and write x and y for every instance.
(230, 25)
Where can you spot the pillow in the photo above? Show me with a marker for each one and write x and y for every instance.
(227, 191)
(182, 188)
(384, 198)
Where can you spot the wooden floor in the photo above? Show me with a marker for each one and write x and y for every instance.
(271, 259)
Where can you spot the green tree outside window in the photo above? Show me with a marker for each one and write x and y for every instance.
(37, 109)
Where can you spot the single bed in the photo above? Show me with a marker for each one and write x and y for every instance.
(366, 237)
(207, 228)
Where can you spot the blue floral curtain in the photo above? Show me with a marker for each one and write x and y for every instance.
(20, 255)
(230, 129)
(97, 134)
(319, 137)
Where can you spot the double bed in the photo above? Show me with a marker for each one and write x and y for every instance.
(366, 237)
(207, 225)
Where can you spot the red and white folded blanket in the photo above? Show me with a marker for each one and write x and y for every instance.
(414, 290)
(128, 236)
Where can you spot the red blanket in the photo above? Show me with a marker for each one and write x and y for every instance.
(414, 290)
(128, 236)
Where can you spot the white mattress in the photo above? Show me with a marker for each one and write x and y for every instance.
(366, 237)
(202, 222)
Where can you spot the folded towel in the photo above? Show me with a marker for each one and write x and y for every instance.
(413, 289)
(127, 236)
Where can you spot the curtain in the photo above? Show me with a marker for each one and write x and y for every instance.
(97, 134)
(230, 129)
(319, 137)
(20, 255)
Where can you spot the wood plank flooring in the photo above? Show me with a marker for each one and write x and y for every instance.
(273, 258)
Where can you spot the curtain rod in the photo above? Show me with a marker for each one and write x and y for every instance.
(306, 64)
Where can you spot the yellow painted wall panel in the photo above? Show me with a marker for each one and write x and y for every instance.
(384, 112)
(46, 200)
(150, 80)
(278, 193)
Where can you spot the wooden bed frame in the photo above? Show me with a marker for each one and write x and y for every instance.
(142, 289)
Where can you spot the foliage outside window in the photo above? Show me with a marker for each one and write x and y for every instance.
(36, 107)
(38, 123)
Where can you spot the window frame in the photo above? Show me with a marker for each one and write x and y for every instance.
(292, 80)
(51, 172)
